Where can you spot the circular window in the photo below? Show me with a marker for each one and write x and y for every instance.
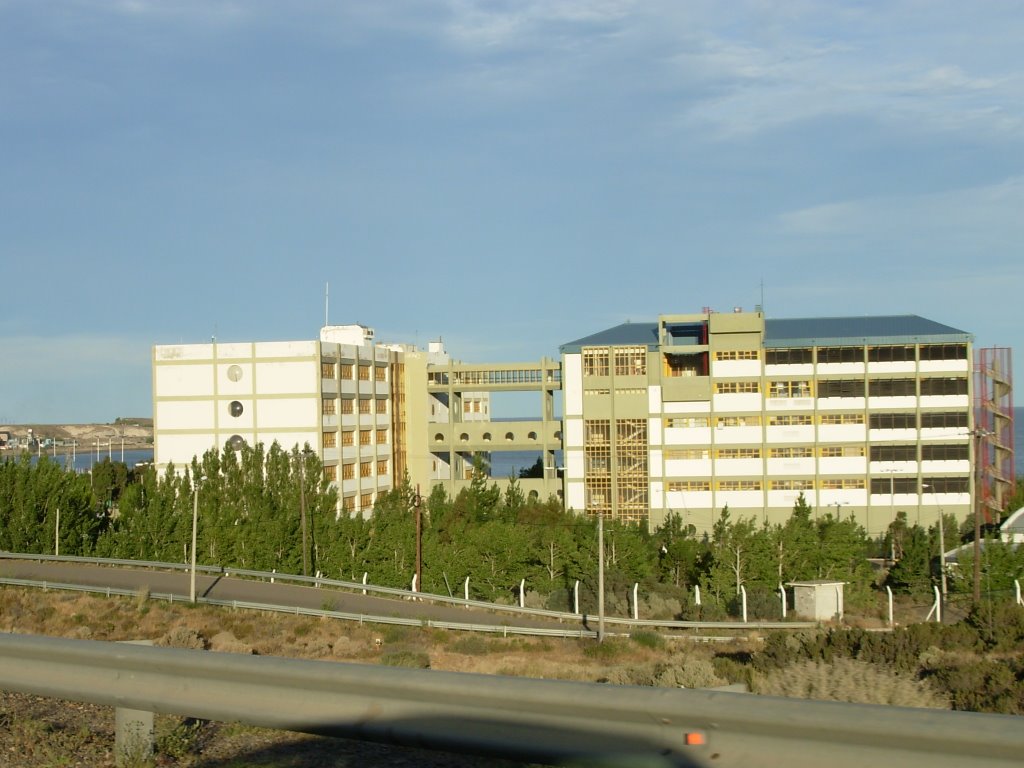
(235, 408)
(487, 437)
(464, 437)
(439, 438)
(236, 442)
(532, 436)
(235, 372)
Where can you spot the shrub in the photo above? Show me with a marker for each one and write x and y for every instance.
(405, 658)
(648, 639)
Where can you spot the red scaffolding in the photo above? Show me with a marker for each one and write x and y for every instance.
(993, 421)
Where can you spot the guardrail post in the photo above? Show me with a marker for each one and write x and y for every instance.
(465, 589)
(364, 580)
(522, 593)
(133, 731)
(743, 596)
(576, 597)
(636, 611)
(413, 588)
(272, 578)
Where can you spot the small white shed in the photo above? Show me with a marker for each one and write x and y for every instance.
(818, 599)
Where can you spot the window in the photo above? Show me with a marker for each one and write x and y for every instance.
(945, 485)
(789, 420)
(382, 467)
(380, 373)
(892, 354)
(738, 421)
(686, 422)
(677, 365)
(465, 406)
(366, 469)
(347, 438)
(366, 500)
(892, 421)
(735, 387)
(791, 485)
(840, 355)
(736, 354)
(842, 418)
(596, 431)
(331, 473)
(364, 372)
(954, 452)
(950, 386)
(364, 405)
(841, 388)
(346, 371)
(326, 370)
(346, 406)
(330, 439)
(943, 351)
(894, 453)
(327, 407)
(739, 485)
(349, 503)
(788, 356)
(687, 454)
(739, 453)
(799, 452)
(893, 484)
(364, 437)
(348, 471)
(630, 361)
(689, 485)
(892, 387)
(944, 420)
(595, 361)
(843, 483)
(838, 451)
(798, 388)
(382, 436)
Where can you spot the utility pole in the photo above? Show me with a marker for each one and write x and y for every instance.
(302, 513)
(416, 502)
(600, 576)
(195, 521)
(978, 434)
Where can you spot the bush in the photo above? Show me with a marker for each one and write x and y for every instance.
(405, 658)
(648, 639)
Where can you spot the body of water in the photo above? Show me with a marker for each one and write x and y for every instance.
(82, 461)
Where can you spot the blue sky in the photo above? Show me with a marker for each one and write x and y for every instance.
(507, 175)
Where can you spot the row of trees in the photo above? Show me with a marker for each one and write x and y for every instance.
(267, 509)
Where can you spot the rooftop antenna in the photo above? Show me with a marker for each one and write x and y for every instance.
(327, 304)
(762, 295)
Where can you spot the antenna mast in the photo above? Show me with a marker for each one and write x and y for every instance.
(327, 304)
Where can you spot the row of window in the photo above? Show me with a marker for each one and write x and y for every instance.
(365, 502)
(347, 371)
(928, 420)
(929, 452)
(624, 361)
(876, 354)
(849, 387)
(348, 471)
(329, 406)
(366, 437)
(929, 485)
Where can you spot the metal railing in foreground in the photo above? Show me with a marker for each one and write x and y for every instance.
(530, 720)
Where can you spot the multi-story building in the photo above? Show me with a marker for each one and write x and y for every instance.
(690, 414)
(696, 413)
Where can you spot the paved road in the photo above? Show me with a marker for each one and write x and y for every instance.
(244, 590)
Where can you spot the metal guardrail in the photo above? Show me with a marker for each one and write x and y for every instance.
(406, 594)
(528, 720)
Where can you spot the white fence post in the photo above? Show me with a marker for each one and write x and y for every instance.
(696, 593)
(1016, 586)
(891, 622)
(465, 588)
(413, 588)
(522, 593)
(782, 593)
(365, 574)
(576, 597)
(636, 608)
(743, 594)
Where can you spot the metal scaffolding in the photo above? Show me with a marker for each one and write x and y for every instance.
(993, 413)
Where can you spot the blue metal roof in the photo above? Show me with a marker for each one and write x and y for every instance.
(879, 329)
(625, 335)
